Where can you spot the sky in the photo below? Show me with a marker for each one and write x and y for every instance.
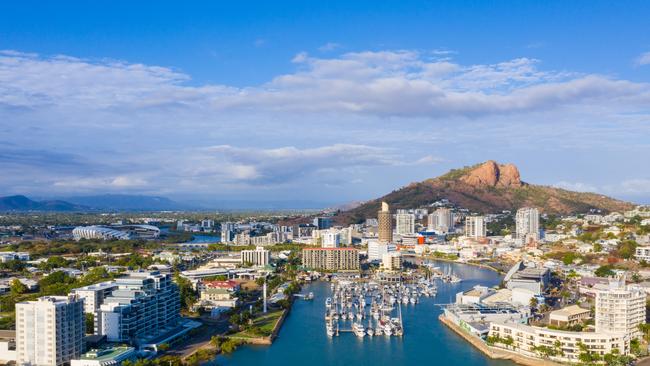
(329, 101)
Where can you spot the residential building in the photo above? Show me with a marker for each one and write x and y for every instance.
(323, 223)
(441, 220)
(258, 257)
(475, 227)
(332, 259)
(330, 239)
(219, 294)
(227, 232)
(642, 253)
(527, 224)
(49, 331)
(144, 306)
(528, 339)
(391, 261)
(620, 308)
(404, 223)
(385, 224)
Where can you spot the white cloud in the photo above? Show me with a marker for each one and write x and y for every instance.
(329, 46)
(643, 59)
(636, 186)
(382, 83)
(111, 183)
(576, 186)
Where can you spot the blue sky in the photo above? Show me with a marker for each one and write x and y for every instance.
(322, 101)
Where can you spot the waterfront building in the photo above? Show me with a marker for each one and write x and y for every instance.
(391, 261)
(568, 316)
(207, 224)
(475, 227)
(258, 257)
(528, 339)
(144, 305)
(227, 232)
(385, 224)
(533, 279)
(620, 308)
(49, 331)
(476, 317)
(332, 259)
(376, 250)
(441, 221)
(105, 357)
(527, 224)
(404, 223)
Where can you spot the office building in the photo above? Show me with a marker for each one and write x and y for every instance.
(376, 250)
(322, 223)
(620, 308)
(441, 221)
(258, 257)
(475, 227)
(404, 223)
(49, 331)
(527, 224)
(385, 224)
(330, 259)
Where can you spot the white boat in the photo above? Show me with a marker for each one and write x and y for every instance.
(328, 302)
(358, 330)
(330, 330)
(370, 332)
(413, 300)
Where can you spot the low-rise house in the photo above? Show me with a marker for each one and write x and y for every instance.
(219, 294)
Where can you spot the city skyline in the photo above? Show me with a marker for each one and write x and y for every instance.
(326, 103)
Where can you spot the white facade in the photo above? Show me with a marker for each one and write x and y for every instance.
(620, 308)
(376, 250)
(642, 253)
(258, 257)
(391, 261)
(405, 223)
(475, 227)
(441, 220)
(330, 239)
(527, 223)
(49, 331)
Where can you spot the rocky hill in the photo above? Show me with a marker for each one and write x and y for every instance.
(486, 188)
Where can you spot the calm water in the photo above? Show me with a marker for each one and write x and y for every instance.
(205, 239)
(426, 341)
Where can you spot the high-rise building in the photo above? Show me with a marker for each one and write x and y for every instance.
(227, 232)
(331, 259)
(50, 331)
(527, 223)
(323, 223)
(441, 220)
(404, 223)
(620, 308)
(391, 261)
(144, 306)
(475, 227)
(385, 224)
(257, 257)
(330, 239)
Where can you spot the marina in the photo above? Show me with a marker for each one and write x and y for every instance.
(425, 340)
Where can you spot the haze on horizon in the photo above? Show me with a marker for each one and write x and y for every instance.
(320, 102)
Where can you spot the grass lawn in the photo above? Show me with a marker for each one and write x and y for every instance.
(265, 323)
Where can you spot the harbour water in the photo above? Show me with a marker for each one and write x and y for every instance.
(426, 341)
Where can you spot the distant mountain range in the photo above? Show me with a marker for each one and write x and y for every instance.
(486, 188)
(22, 203)
(107, 202)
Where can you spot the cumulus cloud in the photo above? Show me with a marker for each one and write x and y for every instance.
(643, 59)
(381, 83)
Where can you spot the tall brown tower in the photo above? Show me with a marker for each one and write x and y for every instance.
(385, 224)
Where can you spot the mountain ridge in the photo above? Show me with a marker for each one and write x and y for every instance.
(487, 188)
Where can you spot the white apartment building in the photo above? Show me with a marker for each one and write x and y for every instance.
(405, 223)
(258, 257)
(49, 331)
(93, 295)
(441, 220)
(642, 253)
(475, 227)
(330, 239)
(391, 261)
(620, 308)
(526, 338)
(527, 224)
(376, 250)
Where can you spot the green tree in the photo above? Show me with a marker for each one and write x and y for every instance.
(90, 323)
(604, 271)
(17, 287)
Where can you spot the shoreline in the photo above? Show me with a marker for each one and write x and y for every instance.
(492, 352)
(480, 265)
